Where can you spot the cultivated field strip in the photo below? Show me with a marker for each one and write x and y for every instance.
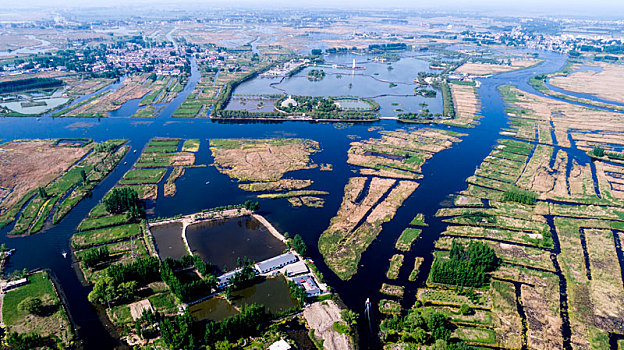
(393, 161)
(552, 217)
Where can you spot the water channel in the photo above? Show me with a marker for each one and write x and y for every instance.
(205, 187)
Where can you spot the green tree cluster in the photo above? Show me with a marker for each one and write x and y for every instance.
(124, 199)
(244, 277)
(42, 193)
(93, 257)
(186, 291)
(297, 292)
(520, 196)
(143, 270)
(299, 245)
(177, 332)
(29, 84)
(316, 75)
(466, 266)
(417, 327)
(247, 323)
(28, 341)
(106, 291)
(250, 205)
(31, 305)
(598, 151)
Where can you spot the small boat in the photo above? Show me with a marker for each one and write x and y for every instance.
(367, 303)
(64, 254)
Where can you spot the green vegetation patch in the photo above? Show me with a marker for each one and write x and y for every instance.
(407, 238)
(142, 176)
(392, 290)
(469, 316)
(161, 149)
(454, 298)
(164, 303)
(488, 183)
(416, 270)
(48, 310)
(506, 153)
(162, 142)
(103, 221)
(395, 266)
(466, 266)
(476, 335)
(88, 238)
(38, 286)
(69, 188)
(29, 84)
(191, 145)
(520, 196)
(120, 314)
(389, 307)
(418, 220)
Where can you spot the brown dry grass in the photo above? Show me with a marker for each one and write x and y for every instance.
(536, 174)
(560, 189)
(344, 241)
(611, 178)
(420, 143)
(263, 160)
(589, 127)
(351, 213)
(606, 84)
(386, 209)
(27, 165)
(132, 88)
(280, 185)
(466, 103)
(34, 75)
(507, 322)
(487, 69)
(607, 293)
(544, 323)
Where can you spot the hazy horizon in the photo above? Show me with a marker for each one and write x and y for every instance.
(544, 7)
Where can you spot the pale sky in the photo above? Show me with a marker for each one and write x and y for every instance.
(553, 7)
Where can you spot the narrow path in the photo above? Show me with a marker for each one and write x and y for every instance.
(1, 303)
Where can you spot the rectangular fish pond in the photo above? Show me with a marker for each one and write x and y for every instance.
(222, 242)
(168, 240)
(271, 292)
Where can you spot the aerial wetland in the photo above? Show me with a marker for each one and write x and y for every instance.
(488, 204)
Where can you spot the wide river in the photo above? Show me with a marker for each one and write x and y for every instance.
(205, 187)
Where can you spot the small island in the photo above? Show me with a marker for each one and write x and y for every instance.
(316, 75)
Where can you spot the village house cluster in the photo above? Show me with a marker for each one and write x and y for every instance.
(165, 60)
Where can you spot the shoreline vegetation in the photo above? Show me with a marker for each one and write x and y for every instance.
(388, 167)
(259, 165)
(152, 291)
(53, 193)
(461, 106)
(35, 314)
(545, 228)
(530, 254)
(539, 83)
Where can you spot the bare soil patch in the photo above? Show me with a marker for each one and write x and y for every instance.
(321, 317)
